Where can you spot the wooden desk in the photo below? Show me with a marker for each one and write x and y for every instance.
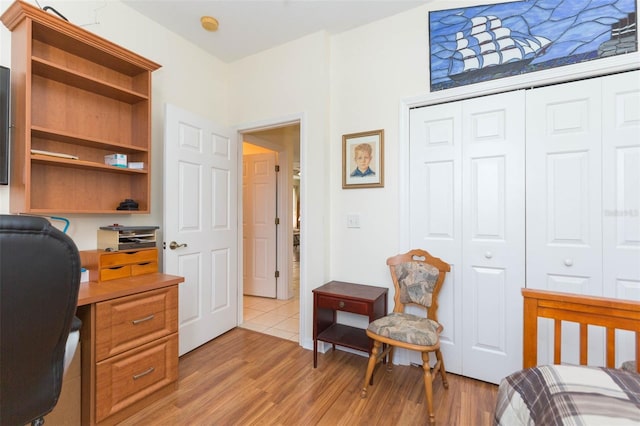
(348, 297)
(129, 344)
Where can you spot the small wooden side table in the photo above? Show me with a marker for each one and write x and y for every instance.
(347, 297)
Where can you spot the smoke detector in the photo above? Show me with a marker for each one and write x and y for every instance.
(209, 23)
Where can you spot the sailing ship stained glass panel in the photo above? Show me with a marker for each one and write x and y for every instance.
(480, 43)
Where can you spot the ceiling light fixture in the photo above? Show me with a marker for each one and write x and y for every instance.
(209, 23)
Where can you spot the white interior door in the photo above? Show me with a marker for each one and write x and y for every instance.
(621, 185)
(564, 202)
(564, 207)
(200, 213)
(435, 153)
(467, 207)
(259, 223)
(621, 194)
(493, 232)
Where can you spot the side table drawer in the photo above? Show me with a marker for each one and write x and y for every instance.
(339, 304)
(128, 322)
(127, 378)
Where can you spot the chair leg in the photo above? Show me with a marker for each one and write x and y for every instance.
(373, 359)
(428, 388)
(443, 371)
(390, 359)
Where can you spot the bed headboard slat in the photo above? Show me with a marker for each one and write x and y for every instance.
(611, 347)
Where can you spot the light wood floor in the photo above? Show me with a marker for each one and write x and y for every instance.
(247, 378)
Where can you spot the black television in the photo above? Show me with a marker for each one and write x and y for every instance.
(5, 124)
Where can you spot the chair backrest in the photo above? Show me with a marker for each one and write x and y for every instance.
(417, 277)
(39, 282)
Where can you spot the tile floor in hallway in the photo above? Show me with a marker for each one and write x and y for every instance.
(280, 318)
(275, 317)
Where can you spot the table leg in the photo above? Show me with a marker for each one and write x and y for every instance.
(315, 353)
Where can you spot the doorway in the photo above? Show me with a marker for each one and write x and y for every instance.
(279, 316)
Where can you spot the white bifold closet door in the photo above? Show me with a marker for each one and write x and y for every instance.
(621, 195)
(583, 196)
(467, 207)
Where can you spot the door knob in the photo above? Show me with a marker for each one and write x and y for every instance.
(568, 262)
(173, 245)
(488, 255)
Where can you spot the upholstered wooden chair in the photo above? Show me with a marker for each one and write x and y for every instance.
(417, 277)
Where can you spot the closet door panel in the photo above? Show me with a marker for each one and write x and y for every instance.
(564, 202)
(621, 180)
(435, 147)
(621, 194)
(563, 180)
(493, 235)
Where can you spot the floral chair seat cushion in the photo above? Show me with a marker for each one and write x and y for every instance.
(406, 328)
(629, 366)
(416, 281)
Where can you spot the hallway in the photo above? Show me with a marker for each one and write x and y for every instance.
(279, 318)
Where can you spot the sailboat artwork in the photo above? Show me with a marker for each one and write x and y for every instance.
(481, 43)
(491, 48)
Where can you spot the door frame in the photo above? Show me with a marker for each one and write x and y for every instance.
(284, 233)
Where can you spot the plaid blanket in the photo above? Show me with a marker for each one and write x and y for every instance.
(569, 395)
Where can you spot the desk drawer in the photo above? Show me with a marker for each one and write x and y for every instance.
(128, 257)
(144, 268)
(128, 322)
(115, 272)
(339, 304)
(127, 378)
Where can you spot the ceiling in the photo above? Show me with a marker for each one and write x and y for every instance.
(251, 26)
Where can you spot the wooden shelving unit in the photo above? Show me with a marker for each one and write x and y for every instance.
(78, 94)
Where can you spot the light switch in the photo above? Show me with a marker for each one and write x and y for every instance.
(353, 221)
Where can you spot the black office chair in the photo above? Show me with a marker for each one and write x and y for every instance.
(39, 281)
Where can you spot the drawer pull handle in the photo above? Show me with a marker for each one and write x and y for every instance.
(341, 304)
(138, 321)
(144, 373)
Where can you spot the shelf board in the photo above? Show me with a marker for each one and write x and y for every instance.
(66, 137)
(53, 212)
(80, 164)
(346, 335)
(69, 77)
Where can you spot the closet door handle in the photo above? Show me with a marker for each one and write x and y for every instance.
(568, 262)
(488, 254)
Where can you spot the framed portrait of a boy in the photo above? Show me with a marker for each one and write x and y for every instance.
(363, 160)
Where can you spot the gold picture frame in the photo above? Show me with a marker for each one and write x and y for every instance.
(363, 160)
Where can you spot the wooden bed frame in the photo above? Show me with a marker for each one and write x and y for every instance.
(612, 314)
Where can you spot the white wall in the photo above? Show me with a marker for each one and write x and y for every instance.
(189, 78)
(372, 68)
